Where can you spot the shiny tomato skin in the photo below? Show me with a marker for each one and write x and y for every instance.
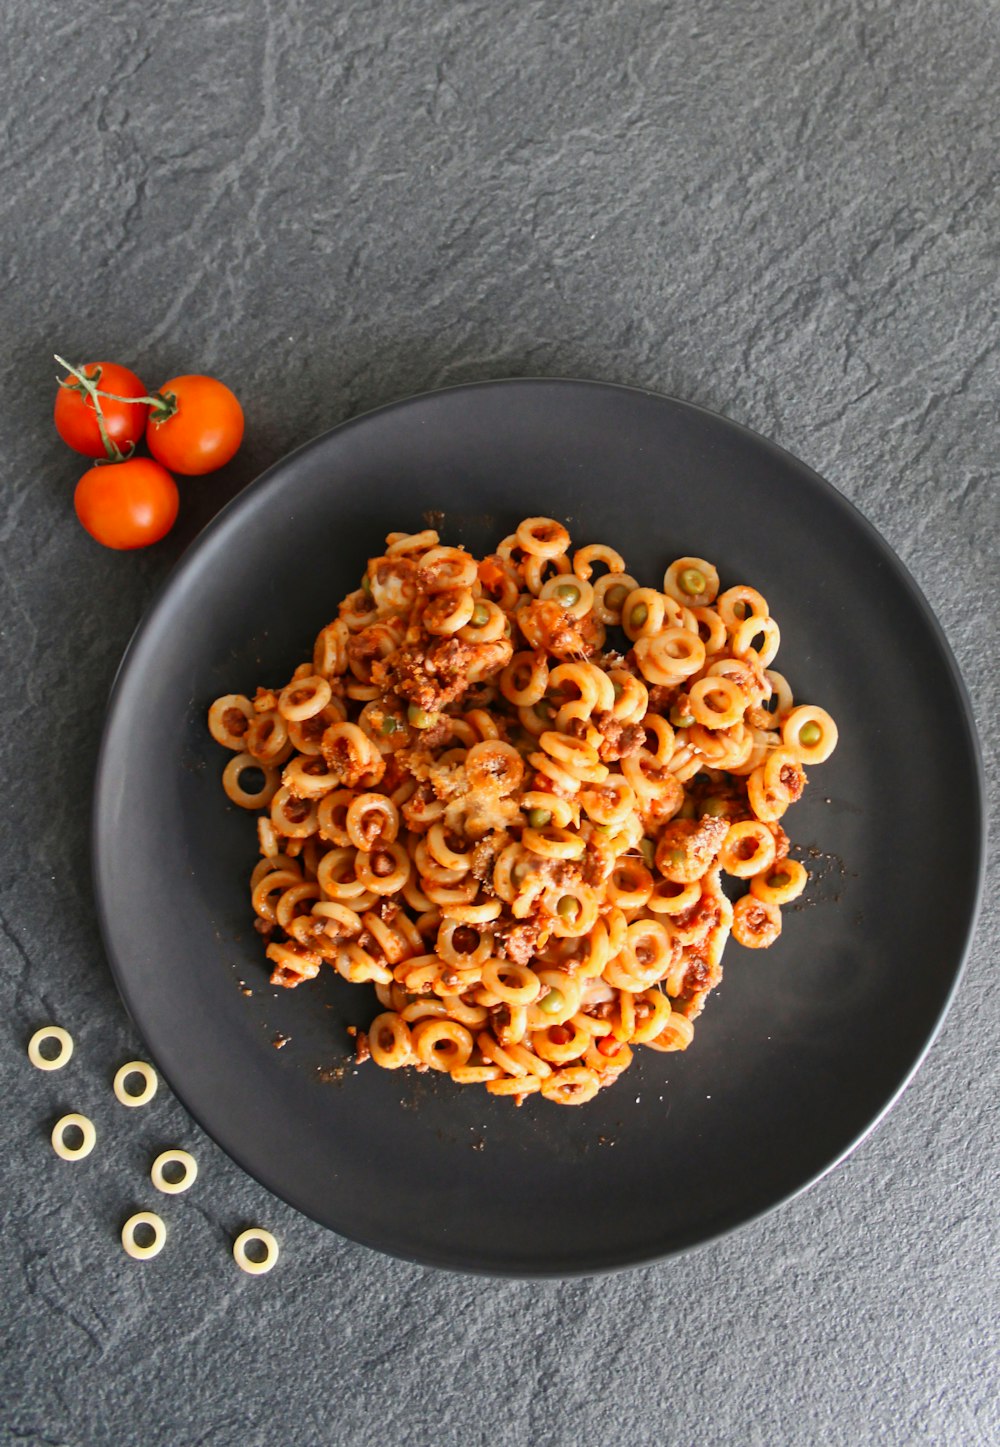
(76, 420)
(204, 432)
(127, 504)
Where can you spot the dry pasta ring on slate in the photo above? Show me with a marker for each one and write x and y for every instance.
(152, 1248)
(263, 1238)
(54, 1062)
(174, 1157)
(136, 1067)
(86, 1128)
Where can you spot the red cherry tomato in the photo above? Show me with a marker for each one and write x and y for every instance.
(204, 427)
(127, 504)
(76, 420)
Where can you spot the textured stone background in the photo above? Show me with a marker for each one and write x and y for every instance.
(786, 212)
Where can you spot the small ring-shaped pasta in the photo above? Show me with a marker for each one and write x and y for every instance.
(571, 593)
(572, 1086)
(491, 628)
(610, 596)
(747, 849)
(174, 1157)
(756, 924)
(304, 697)
(711, 629)
(781, 884)
(494, 764)
(514, 984)
(799, 719)
(669, 897)
(739, 603)
(717, 703)
(677, 1034)
(575, 753)
(88, 1137)
(670, 656)
(229, 718)
(542, 537)
(371, 819)
(692, 582)
(525, 678)
(235, 791)
(743, 642)
(152, 1248)
(390, 1041)
(552, 842)
(150, 1082)
(262, 1238)
(50, 1062)
(448, 611)
(767, 805)
(294, 818)
(784, 775)
(442, 1044)
(584, 559)
(643, 613)
(267, 738)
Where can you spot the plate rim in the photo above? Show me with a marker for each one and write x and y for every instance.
(269, 478)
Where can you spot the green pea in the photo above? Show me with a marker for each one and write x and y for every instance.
(638, 615)
(366, 586)
(419, 717)
(810, 734)
(676, 856)
(568, 908)
(692, 581)
(389, 725)
(615, 597)
(552, 1002)
(480, 616)
(648, 849)
(779, 881)
(568, 594)
(680, 719)
(538, 818)
(714, 807)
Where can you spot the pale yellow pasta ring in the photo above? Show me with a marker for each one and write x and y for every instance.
(132, 1247)
(86, 1129)
(50, 1032)
(174, 1157)
(255, 1268)
(136, 1067)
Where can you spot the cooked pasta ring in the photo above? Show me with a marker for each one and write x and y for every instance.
(232, 774)
(150, 1082)
(50, 1062)
(152, 1248)
(86, 1128)
(174, 1157)
(263, 1238)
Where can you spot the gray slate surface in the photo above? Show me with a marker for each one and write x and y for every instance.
(785, 212)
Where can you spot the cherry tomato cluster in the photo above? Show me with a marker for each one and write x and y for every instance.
(191, 425)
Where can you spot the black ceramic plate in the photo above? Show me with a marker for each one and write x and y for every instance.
(802, 1048)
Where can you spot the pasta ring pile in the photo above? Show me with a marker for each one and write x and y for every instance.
(515, 830)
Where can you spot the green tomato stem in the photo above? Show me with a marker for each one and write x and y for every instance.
(89, 386)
